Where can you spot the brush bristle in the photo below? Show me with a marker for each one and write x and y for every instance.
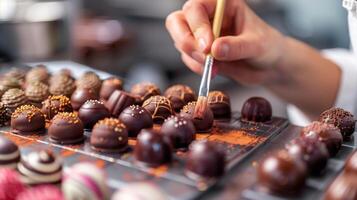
(200, 108)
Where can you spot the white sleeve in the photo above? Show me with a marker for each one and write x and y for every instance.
(347, 94)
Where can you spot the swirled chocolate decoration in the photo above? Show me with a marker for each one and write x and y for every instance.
(144, 91)
(160, 108)
(180, 95)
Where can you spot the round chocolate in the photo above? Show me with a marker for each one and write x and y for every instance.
(351, 164)
(41, 167)
(37, 74)
(66, 128)
(310, 150)
(14, 98)
(18, 74)
(59, 77)
(109, 135)
(159, 107)
(202, 125)
(282, 174)
(65, 71)
(3, 89)
(28, 119)
(9, 153)
(144, 91)
(220, 104)
(86, 181)
(118, 101)
(91, 112)
(64, 85)
(56, 104)
(326, 133)
(340, 118)
(256, 109)
(152, 148)
(109, 86)
(135, 119)
(205, 160)
(180, 95)
(37, 92)
(80, 96)
(10, 82)
(90, 80)
(5, 115)
(344, 187)
(180, 130)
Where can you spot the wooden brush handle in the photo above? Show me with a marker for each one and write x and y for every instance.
(218, 18)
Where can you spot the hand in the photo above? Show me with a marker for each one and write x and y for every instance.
(247, 51)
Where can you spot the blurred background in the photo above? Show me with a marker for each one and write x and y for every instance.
(128, 37)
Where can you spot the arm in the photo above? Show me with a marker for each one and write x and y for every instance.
(252, 52)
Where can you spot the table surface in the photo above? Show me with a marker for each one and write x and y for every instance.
(241, 176)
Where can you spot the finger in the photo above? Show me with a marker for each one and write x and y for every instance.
(192, 64)
(197, 67)
(198, 20)
(232, 48)
(180, 32)
(243, 73)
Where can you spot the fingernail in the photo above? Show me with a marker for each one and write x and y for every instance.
(202, 44)
(223, 51)
(199, 57)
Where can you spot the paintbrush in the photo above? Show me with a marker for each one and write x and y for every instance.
(201, 104)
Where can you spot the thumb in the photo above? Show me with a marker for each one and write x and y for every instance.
(231, 48)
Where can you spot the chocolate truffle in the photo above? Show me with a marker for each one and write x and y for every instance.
(90, 80)
(16, 73)
(66, 128)
(256, 109)
(60, 76)
(110, 136)
(180, 130)
(10, 82)
(140, 191)
(64, 85)
(282, 174)
(220, 104)
(37, 92)
(135, 119)
(344, 187)
(91, 112)
(38, 73)
(87, 181)
(56, 104)
(310, 150)
(152, 148)
(9, 153)
(5, 115)
(326, 133)
(41, 167)
(14, 98)
(180, 95)
(340, 118)
(205, 160)
(202, 125)
(3, 89)
(28, 119)
(48, 192)
(118, 101)
(80, 96)
(11, 184)
(144, 91)
(351, 164)
(109, 86)
(160, 108)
